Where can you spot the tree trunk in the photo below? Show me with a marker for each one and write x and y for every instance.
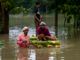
(65, 18)
(56, 22)
(75, 21)
(0, 17)
(4, 20)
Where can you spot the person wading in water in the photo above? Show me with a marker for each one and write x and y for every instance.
(23, 42)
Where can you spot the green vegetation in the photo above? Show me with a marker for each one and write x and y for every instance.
(39, 44)
(1, 44)
(5, 7)
(69, 8)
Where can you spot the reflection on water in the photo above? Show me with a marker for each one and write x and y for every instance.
(32, 54)
(0, 53)
(42, 54)
(38, 54)
(69, 50)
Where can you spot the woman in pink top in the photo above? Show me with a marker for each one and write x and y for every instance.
(23, 39)
(23, 42)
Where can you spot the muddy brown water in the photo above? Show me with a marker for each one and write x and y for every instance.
(70, 50)
(69, 37)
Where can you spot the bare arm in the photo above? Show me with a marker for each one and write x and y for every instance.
(51, 37)
(37, 18)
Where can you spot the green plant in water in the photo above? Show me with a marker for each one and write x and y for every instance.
(1, 44)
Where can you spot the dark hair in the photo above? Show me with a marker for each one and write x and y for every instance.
(37, 3)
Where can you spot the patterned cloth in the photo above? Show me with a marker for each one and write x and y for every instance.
(44, 31)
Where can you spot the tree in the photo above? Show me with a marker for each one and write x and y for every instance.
(6, 7)
(68, 8)
(71, 8)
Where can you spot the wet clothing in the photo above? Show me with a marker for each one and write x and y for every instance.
(44, 31)
(36, 12)
(37, 21)
(23, 41)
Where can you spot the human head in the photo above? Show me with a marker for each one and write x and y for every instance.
(37, 4)
(25, 30)
(42, 24)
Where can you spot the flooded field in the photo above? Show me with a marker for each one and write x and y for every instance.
(69, 50)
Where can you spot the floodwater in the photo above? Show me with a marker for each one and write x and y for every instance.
(69, 50)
